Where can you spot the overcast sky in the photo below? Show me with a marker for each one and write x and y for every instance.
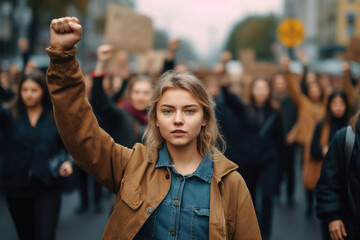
(206, 23)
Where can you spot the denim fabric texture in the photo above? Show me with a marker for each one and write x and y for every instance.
(184, 213)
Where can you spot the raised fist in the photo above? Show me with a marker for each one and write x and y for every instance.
(23, 44)
(226, 57)
(285, 63)
(173, 44)
(64, 33)
(105, 52)
(346, 66)
(301, 55)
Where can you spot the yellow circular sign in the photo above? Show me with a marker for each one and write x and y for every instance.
(291, 32)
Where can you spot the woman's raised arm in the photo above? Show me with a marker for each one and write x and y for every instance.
(92, 148)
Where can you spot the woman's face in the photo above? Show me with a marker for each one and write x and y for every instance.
(338, 107)
(140, 95)
(31, 93)
(279, 84)
(180, 117)
(261, 92)
(314, 92)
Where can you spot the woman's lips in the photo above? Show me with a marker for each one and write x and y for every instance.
(178, 133)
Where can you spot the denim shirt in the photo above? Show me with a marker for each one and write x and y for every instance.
(184, 212)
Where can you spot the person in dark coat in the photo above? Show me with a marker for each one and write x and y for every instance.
(337, 116)
(338, 189)
(289, 118)
(259, 145)
(35, 161)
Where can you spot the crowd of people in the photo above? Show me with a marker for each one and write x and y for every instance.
(158, 140)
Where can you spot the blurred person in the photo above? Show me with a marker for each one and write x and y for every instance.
(310, 110)
(338, 188)
(289, 118)
(133, 111)
(6, 91)
(351, 87)
(34, 161)
(178, 153)
(337, 117)
(260, 146)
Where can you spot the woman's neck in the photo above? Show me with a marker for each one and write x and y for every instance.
(34, 114)
(186, 159)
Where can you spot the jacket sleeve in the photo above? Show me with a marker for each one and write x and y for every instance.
(294, 89)
(104, 106)
(6, 95)
(303, 84)
(316, 149)
(234, 102)
(349, 88)
(92, 148)
(168, 65)
(330, 192)
(121, 92)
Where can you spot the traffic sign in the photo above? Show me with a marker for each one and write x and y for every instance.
(291, 32)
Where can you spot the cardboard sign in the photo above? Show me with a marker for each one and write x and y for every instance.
(353, 50)
(151, 62)
(127, 30)
(251, 66)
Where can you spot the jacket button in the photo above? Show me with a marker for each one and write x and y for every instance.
(176, 202)
(150, 210)
(172, 233)
(167, 176)
(181, 178)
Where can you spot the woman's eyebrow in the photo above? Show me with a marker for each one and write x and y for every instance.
(186, 106)
(191, 105)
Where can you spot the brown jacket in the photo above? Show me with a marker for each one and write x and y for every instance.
(138, 186)
(309, 113)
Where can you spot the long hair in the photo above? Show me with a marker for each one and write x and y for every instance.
(334, 94)
(38, 77)
(209, 135)
(355, 119)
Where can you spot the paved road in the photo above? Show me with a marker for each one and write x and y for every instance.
(289, 223)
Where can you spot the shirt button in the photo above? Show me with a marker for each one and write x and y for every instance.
(167, 176)
(181, 178)
(176, 202)
(172, 233)
(150, 210)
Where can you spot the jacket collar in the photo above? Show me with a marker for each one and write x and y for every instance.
(204, 170)
(222, 166)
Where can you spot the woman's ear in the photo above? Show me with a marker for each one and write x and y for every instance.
(203, 123)
(157, 123)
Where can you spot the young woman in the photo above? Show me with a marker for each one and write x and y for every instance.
(33, 159)
(310, 109)
(127, 123)
(169, 188)
(337, 191)
(337, 116)
(260, 147)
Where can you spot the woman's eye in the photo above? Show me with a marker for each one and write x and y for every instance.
(189, 111)
(167, 111)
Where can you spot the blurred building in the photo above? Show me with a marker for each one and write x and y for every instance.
(338, 21)
(329, 24)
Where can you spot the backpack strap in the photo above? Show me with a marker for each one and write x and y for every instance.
(267, 124)
(349, 146)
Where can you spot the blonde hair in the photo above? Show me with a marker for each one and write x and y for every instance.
(209, 136)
